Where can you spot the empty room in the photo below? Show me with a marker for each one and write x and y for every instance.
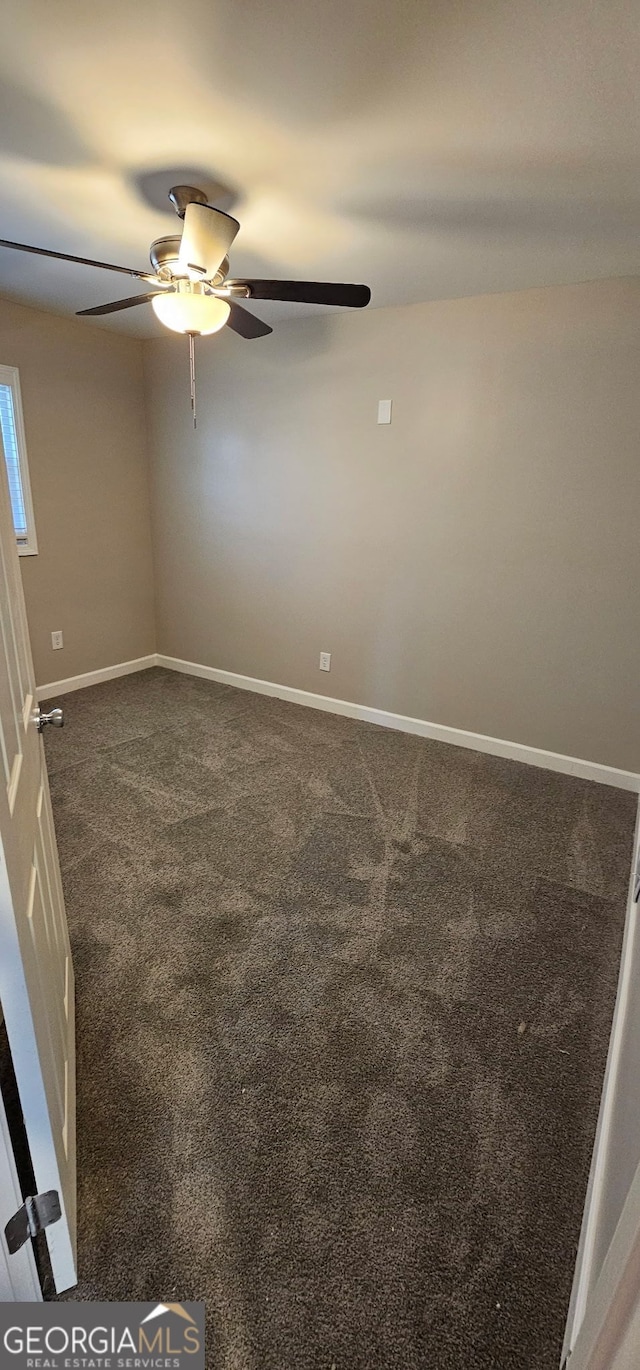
(319, 685)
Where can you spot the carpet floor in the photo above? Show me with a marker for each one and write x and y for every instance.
(344, 998)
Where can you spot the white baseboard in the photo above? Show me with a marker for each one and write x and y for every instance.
(80, 682)
(440, 732)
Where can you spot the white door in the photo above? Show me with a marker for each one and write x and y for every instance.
(36, 973)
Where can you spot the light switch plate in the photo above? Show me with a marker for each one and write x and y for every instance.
(384, 411)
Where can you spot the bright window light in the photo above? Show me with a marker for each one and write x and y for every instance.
(15, 455)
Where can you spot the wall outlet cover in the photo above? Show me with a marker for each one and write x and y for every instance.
(56, 640)
(325, 661)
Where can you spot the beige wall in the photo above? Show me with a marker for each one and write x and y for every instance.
(477, 563)
(83, 404)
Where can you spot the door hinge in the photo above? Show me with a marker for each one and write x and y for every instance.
(38, 1211)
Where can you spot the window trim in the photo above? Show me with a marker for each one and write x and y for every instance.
(9, 375)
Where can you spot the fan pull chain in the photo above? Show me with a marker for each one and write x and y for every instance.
(192, 374)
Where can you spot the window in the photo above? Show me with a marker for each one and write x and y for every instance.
(15, 455)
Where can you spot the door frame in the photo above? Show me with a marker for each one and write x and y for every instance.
(605, 1301)
(609, 1334)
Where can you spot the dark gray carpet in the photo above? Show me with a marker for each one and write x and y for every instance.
(344, 998)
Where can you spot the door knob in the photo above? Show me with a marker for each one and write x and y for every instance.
(55, 717)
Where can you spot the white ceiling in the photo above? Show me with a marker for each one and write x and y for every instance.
(430, 148)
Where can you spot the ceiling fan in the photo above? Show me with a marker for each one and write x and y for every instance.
(193, 292)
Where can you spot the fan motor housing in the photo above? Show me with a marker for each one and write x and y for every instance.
(164, 253)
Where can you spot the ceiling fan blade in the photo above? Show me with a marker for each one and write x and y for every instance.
(83, 261)
(308, 292)
(120, 304)
(246, 324)
(206, 238)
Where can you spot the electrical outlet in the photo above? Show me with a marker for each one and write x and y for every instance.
(325, 661)
(56, 640)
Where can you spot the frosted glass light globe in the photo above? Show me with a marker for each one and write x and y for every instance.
(190, 310)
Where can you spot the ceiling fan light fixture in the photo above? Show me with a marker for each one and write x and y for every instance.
(190, 309)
